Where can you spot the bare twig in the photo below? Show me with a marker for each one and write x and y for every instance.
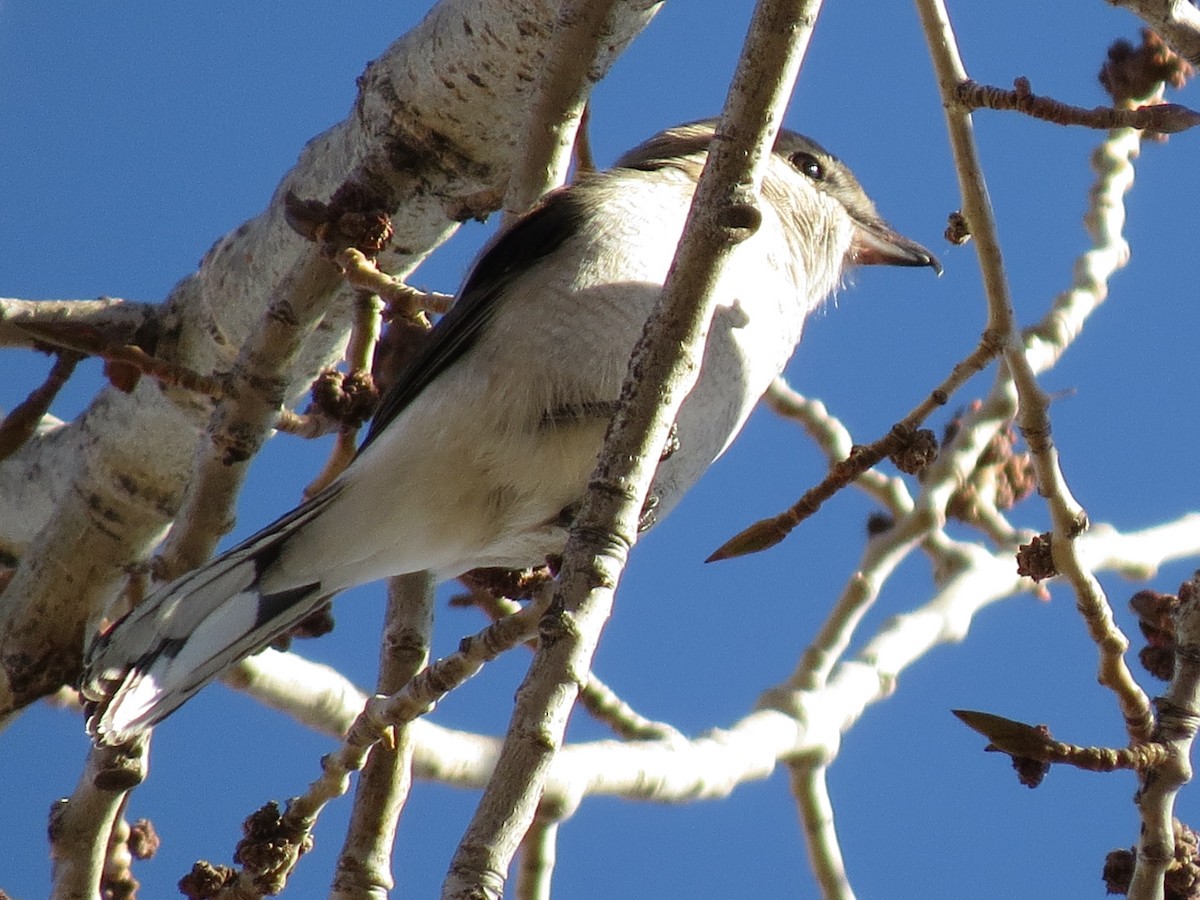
(427, 688)
(601, 701)
(1164, 118)
(605, 705)
(836, 443)
(363, 273)
(831, 436)
(90, 341)
(359, 402)
(308, 425)
(22, 422)
(1068, 516)
(1034, 742)
(82, 825)
(539, 852)
(769, 532)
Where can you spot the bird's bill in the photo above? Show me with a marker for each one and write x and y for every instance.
(876, 244)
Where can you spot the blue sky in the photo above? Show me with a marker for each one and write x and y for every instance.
(132, 141)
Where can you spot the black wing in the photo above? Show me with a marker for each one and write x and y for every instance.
(515, 250)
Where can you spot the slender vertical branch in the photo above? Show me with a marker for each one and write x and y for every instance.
(538, 855)
(82, 825)
(1179, 717)
(1068, 517)
(811, 791)
(364, 867)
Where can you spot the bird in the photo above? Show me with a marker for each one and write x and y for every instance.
(479, 455)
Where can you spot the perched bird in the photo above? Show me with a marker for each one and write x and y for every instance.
(482, 451)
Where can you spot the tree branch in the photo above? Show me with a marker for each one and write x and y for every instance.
(435, 145)
(663, 366)
(557, 105)
(364, 866)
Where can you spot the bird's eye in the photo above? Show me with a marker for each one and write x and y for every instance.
(808, 164)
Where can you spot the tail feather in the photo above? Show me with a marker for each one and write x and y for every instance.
(184, 635)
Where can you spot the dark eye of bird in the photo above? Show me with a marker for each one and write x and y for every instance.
(808, 164)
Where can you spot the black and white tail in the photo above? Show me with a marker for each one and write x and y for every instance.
(185, 634)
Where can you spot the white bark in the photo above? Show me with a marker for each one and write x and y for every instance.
(432, 134)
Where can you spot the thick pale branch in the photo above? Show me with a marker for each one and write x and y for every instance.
(255, 391)
(559, 101)
(428, 136)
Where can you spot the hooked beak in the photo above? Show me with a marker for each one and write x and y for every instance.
(876, 244)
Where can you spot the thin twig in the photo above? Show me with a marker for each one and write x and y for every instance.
(427, 688)
(309, 425)
(1070, 522)
(360, 352)
(1034, 742)
(90, 341)
(767, 533)
(364, 273)
(1164, 118)
(1069, 519)
(23, 420)
(836, 442)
